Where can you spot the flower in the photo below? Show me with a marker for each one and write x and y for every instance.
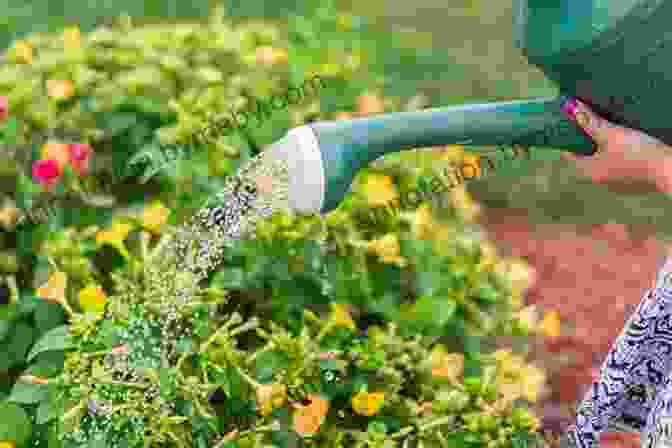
(155, 216)
(22, 52)
(369, 104)
(341, 316)
(54, 289)
(368, 404)
(80, 157)
(446, 365)
(60, 89)
(46, 172)
(60, 152)
(423, 223)
(8, 215)
(471, 166)
(31, 379)
(270, 396)
(380, 190)
(92, 298)
(115, 237)
(7, 445)
(4, 108)
(308, 419)
(387, 248)
(551, 324)
(72, 37)
(270, 55)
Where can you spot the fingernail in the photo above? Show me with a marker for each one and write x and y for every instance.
(569, 107)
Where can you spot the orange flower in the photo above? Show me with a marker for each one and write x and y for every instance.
(54, 289)
(368, 404)
(60, 89)
(308, 419)
(551, 324)
(369, 104)
(60, 152)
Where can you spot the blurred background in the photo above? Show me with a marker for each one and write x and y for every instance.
(462, 52)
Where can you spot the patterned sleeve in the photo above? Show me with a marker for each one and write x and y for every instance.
(633, 371)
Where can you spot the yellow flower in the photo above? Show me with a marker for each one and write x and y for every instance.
(8, 215)
(423, 223)
(154, 217)
(551, 324)
(59, 89)
(270, 396)
(368, 404)
(448, 153)
(341, 316)
(23, 52)
(488, 255)
(528, 316)
(380, 190)
(92, 298)
(446, 365)
(387, 248)
(7, 445)
(115, 237)
(308, 419)
(270, 55)
(71, 37)
(54, 289)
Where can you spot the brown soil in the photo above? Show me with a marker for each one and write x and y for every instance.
(594, 277)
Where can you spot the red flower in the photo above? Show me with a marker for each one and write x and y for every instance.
(46, 172)
(80, 156)
(4, 108)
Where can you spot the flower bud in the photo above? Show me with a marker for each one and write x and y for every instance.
(4, 108)
(80, 157)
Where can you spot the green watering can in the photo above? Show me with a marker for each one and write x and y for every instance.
(611, 54)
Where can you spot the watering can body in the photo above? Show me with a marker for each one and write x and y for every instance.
(612, 54)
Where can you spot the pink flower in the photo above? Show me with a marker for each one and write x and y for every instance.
(46, 172)
(80, 156)
(4, 108)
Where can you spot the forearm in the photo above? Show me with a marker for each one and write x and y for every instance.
(634, 369)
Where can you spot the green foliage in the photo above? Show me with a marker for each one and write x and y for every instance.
(383, 298)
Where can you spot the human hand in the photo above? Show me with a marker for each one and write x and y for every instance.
(626, 159)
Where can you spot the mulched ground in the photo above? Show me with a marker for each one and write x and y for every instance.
(594, 277)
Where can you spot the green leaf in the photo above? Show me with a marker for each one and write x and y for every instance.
(56, 339)
(10, 128)
(15, 347)
(48, 315)
(24, 393)
(16, 426)
(434, 310)
(230, 278)
(48, 364)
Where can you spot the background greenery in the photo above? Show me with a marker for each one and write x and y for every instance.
(467, 49)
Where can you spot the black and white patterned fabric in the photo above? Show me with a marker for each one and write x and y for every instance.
(635, 385)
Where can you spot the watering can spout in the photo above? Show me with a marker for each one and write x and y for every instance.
(324, 157)
(610, 54)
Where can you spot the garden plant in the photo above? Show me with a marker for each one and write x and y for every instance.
(320, 331)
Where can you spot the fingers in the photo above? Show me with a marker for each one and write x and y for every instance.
(595, 126)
